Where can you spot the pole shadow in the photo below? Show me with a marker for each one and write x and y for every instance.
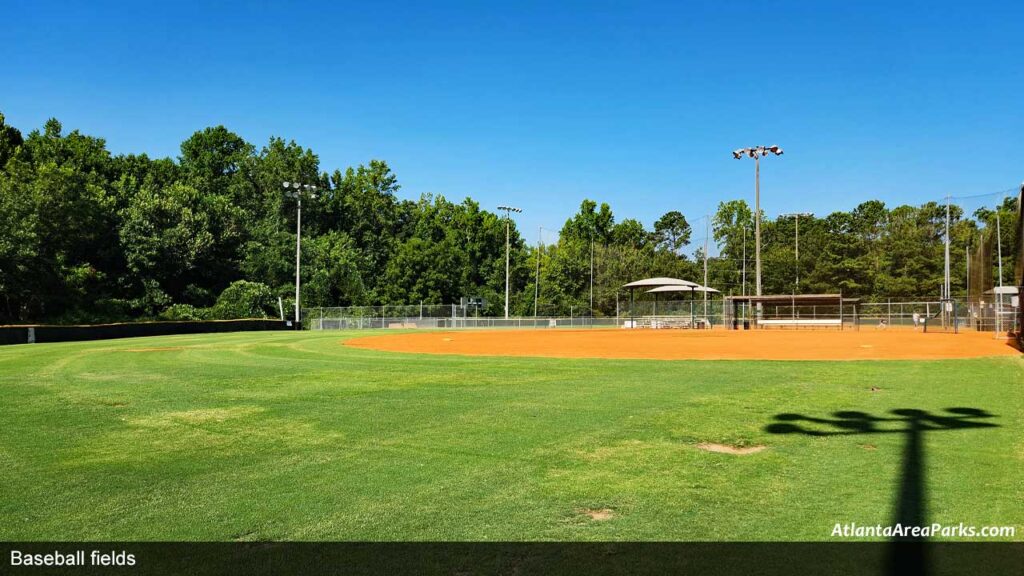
(907, 555)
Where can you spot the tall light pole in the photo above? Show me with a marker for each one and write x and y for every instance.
(536, 282)
(756, 153)
(744, 260)
(999, 256)
(707, 232)
(796, 216)
(508, 220)
(945, 285)
(592, 275)
(296, 190)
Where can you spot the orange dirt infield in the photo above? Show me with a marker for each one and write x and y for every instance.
(866, 344)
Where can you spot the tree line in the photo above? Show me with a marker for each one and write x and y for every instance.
(89, 236)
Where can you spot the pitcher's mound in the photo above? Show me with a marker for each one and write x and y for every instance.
(726, 449)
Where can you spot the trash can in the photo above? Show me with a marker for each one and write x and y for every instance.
(746, 324)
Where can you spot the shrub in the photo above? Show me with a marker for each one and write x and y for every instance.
(244, 299)
(185, 312)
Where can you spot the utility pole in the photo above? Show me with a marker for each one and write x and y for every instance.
(707, 220)
(592, 275)
(967, 251)
(999, 255)
(947, 285)
(796, 216)
(757, 222)
(508, 222)
(756, 153)
(295, 190)
(744, 260)
(536, 282)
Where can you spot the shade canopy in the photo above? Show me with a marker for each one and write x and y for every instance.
(660, 281)
(696, 288)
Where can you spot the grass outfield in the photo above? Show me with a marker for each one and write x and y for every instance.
(286, 436)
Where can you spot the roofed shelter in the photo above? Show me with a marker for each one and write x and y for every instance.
(652, 283)
(674, 289)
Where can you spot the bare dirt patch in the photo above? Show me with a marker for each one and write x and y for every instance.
(598, 514)
(726, 449)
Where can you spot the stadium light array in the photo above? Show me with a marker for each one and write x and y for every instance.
(757, 152)
(508, 217)
(297, 191)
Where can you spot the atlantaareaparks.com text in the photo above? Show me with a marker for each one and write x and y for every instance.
(853, 530)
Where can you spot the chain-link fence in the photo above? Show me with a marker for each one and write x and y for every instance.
(647, 314)
(981, 316)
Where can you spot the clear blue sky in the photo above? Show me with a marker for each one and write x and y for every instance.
(541, 104)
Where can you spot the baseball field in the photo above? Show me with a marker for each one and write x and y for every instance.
(508, 435)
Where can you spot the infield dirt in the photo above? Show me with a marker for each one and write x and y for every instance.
(864, 344)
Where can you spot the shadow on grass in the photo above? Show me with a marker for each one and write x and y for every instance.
(908, 554)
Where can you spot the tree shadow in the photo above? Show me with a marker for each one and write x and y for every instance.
(907, 554)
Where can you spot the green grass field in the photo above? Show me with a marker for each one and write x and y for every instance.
(292, 436)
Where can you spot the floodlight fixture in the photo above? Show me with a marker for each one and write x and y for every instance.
(757, 152)
(295, 190)
(508, 210)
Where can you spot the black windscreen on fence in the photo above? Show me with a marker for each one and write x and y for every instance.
(47, 333)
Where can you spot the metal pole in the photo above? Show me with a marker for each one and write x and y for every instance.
(999, 296)
(507, 224)
(757, 221)
(298, 257)
(591, 274)
(797, 253)
(536, 283)
(707, 220)
(947, 286)
(744, 260)
(967, 254)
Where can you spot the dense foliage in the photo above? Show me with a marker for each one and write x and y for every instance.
(88, 236)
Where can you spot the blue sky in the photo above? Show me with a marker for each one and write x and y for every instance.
(541, 104)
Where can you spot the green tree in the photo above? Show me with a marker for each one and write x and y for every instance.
(671, 231)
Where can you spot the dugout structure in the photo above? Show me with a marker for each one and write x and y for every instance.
(811, 311)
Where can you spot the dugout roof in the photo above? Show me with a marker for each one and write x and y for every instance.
(795, 299)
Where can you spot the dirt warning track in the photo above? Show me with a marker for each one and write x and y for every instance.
(865, 344)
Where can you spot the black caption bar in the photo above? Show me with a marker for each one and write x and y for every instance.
(271, 558)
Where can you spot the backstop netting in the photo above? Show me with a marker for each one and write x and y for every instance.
(981, 302)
